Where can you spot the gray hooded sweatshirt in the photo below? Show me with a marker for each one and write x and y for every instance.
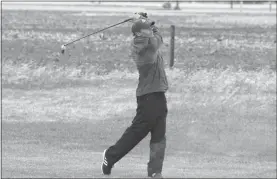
(146, 53)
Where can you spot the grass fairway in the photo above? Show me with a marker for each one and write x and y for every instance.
(62, 132)
(59, 114)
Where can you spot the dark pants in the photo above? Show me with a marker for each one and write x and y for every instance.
(150, 117)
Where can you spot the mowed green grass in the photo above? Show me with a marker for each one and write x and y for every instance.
(60, 113)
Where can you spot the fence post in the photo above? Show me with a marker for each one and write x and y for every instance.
(172, 41)
(270, 6)
(241, 3)
(231, 4)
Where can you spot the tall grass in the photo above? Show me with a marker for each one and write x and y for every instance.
(216, 110)
(227, 80)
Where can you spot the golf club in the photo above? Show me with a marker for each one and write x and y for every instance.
(63, 47)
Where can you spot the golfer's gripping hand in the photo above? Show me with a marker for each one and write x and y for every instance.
(143, 14)
(138, 15)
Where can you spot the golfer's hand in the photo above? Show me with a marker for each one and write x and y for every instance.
(138, 15)
(142, 14)
(155, 29)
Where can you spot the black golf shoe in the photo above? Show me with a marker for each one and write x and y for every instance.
(106, 167)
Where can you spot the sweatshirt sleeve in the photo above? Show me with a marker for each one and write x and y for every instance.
(139, 44)
(157, 35)
(157, 40)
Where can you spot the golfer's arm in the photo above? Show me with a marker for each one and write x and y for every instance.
(156, 41)
(158, 36)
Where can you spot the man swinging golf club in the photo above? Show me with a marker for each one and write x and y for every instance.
(151, 101)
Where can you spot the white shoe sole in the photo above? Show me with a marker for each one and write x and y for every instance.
(103, 158)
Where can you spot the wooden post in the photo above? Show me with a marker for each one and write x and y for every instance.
(241, 3)
(270, 6)
(231, 4)
(172, 41)
(177, 7)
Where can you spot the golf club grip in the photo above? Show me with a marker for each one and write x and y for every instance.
(98, 31)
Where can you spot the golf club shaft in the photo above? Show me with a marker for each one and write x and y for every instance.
(98, 31)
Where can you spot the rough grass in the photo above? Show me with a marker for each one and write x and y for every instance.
(59, 113)
(245, 44)
(221, 115)
(228, 100)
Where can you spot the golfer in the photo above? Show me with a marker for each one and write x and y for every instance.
(151, 109)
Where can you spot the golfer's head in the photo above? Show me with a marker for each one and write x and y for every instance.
(142, 27)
